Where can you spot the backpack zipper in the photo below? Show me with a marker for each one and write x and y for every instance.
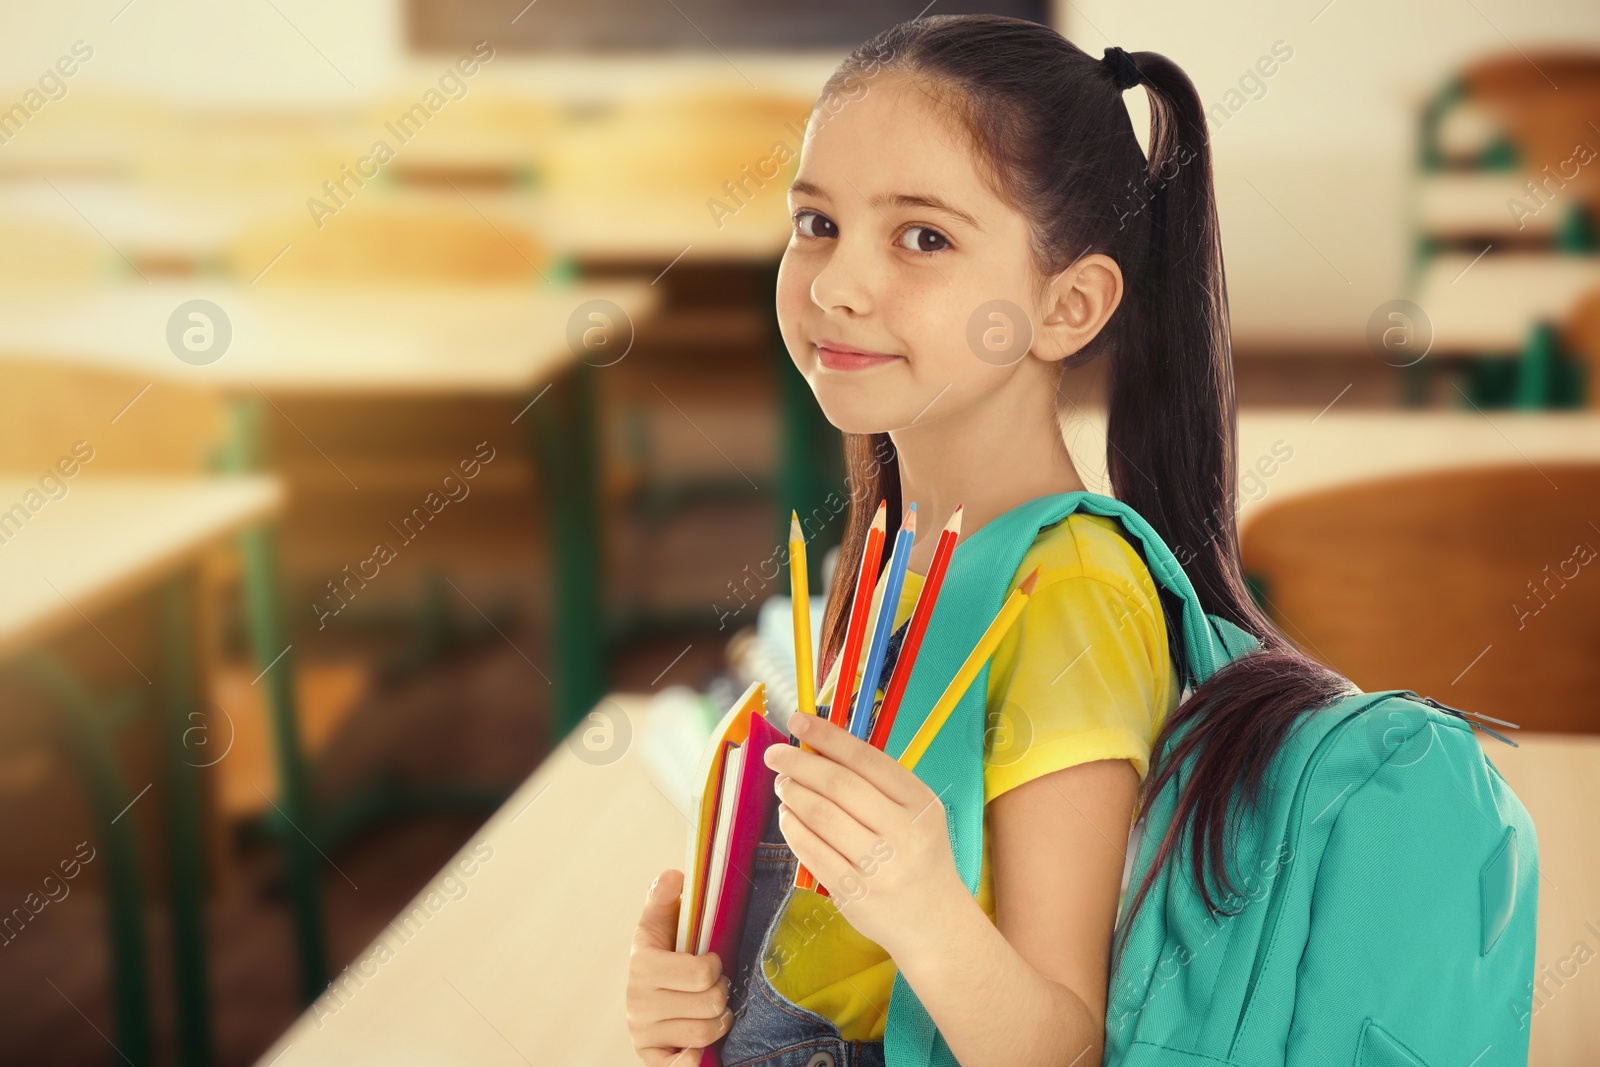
(1462, 715)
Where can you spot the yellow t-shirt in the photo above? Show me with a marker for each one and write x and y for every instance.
(1085, 674)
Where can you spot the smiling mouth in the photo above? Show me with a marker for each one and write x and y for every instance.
(845, 358)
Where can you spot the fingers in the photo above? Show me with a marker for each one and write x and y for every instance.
(676, 1003)
(885, 773)
(677, 1042)
(657, 968)
(664, 1022)
(837, 827)
(658, 926)
(822, 774)
(819, 857)
(658, 1005)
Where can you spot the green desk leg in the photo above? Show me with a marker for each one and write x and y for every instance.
(565, 441)
(270, 648)
(1536, 369)
(90, 741)
(186, 865)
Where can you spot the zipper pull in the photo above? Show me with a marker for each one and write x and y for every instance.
(1462, 715)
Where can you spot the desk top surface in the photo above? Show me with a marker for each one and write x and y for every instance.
(145, 223)
(517, 952)
(309, 339)
(1491, 304)
(1283, 453)
(62, 557)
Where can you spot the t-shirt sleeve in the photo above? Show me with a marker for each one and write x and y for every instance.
(1087, 677)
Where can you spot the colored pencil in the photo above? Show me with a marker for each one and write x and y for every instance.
(800, 593)
(860, 605)
(926, 600)
(860, 608)
(888, 604)
(969, 670)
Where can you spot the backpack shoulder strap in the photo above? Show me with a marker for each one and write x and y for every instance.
(979, 580)
(1208, 642)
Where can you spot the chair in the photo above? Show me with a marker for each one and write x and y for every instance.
(377, 237)
(1467, 586)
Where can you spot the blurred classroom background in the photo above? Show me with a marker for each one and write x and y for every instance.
(396, 437)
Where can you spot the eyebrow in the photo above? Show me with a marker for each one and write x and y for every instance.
(893, 199)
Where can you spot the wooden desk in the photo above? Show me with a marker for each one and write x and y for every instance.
(387, 340)
(1339, 448)
(155, 226)
(525, 959)
(148, 226)
(105, 541)
(369, 340)
(1456, 205)
(1334, 448)
(1494, 306)
(382, 341)
(658, 229)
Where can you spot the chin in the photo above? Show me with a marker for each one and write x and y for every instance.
(852, 409)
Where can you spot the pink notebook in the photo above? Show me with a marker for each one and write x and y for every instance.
(753, 808)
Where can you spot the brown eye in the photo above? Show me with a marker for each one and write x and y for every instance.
(927, 240)
(822, 225)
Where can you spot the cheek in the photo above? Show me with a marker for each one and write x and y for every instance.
(922, 316)
(792, 298)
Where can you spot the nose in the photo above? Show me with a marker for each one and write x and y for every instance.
(844, 282)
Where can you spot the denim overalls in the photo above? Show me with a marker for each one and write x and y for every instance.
(768, 1029)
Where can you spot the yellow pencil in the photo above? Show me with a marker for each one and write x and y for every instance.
(800, 590)
(969, 670)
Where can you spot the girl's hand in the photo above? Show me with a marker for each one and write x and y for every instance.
(677, 1001)
(870, 830)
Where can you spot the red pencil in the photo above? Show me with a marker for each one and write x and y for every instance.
(866, 582)
(919, 625)
(839, 707)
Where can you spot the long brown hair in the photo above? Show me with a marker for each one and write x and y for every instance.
(1049, 122)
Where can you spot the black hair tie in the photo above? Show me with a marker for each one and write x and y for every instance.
(1124, 70)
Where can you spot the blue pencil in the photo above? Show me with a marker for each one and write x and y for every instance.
(861, 714)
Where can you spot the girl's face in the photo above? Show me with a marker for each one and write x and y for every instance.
(902, 250)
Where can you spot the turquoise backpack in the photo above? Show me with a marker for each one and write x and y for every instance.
(1380, 816)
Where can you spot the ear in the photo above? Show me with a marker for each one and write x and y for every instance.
(1077, 305)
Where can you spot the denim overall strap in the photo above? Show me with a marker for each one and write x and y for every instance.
(978, 581)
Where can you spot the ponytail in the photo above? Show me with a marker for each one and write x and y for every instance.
(1051, 121)
(1172, 448)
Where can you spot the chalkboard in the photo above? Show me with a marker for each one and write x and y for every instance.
(598, 26)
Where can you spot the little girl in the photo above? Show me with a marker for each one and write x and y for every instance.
(975, 220)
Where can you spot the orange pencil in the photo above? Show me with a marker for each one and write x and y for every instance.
(919, 625)
(860, 605)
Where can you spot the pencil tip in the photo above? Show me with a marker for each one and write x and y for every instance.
(954, 525)
(794, 527)
(1029, 582)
